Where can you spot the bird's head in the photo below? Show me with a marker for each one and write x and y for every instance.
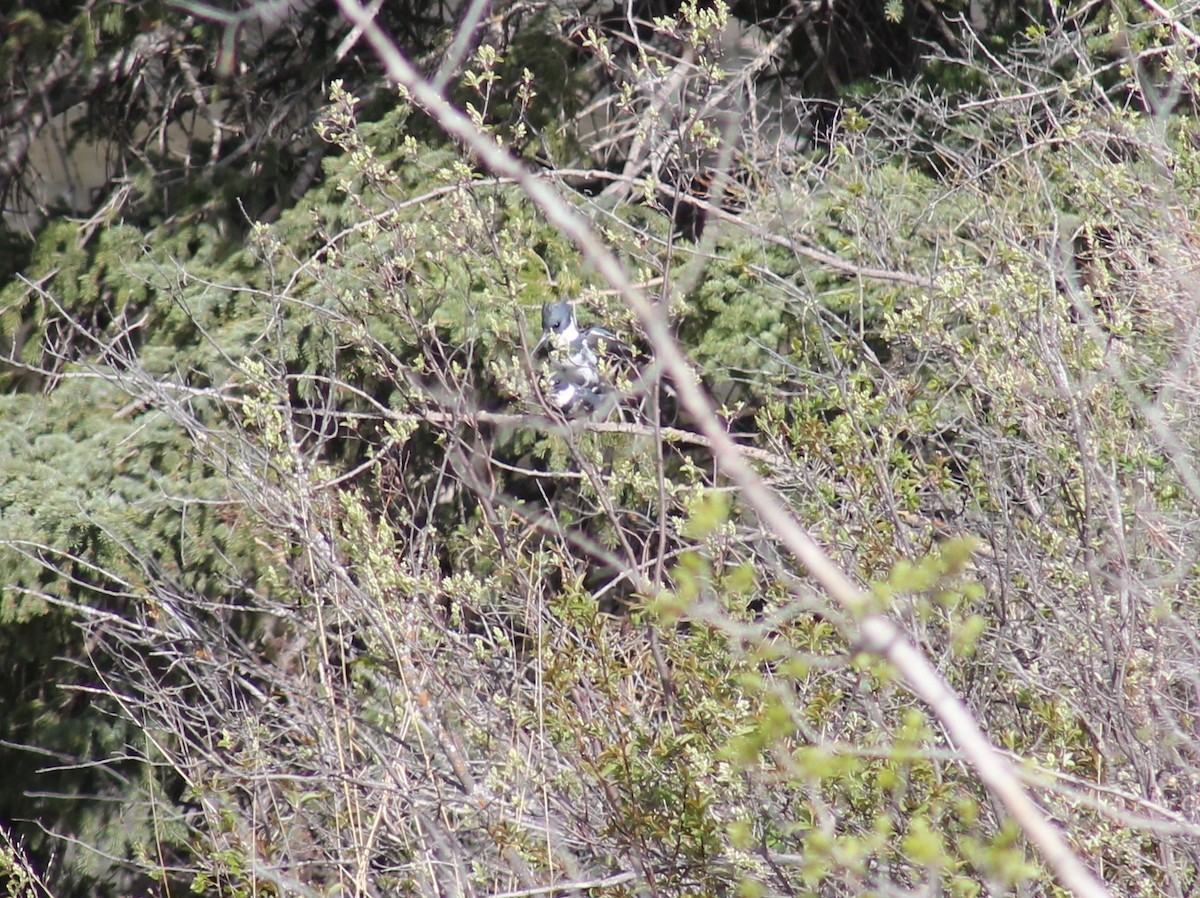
(558, 325)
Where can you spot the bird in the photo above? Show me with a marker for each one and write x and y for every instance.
(578, 353)
(572, 393)
(581, 348)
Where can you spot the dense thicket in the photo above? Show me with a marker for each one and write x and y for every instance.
(308, 588)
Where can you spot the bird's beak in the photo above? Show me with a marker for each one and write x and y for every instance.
(537, 347)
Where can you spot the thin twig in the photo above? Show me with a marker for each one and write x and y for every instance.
(603, 883)
(668, 434)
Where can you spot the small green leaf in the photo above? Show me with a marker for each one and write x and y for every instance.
(707, 514)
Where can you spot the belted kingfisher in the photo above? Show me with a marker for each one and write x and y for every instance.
(582, 348)
(573, 393)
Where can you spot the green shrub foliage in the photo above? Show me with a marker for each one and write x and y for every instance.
(310, 590)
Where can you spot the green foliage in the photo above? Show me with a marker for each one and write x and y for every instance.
(357, 594)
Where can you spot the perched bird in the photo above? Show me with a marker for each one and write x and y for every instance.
(572, 393)
(581, 348)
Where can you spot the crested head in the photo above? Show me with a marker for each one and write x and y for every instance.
(557, 317)
(573, 375)
(563, 389)
(576, 390)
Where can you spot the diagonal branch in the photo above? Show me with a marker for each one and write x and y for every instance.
(877, 633)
